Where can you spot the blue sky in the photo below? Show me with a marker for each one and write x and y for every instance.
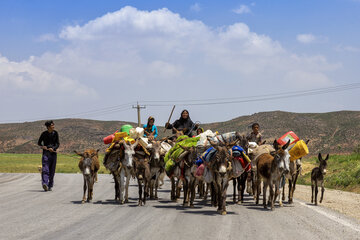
(72, 52)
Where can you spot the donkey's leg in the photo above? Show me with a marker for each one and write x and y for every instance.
(84, 188)
(225, 184)
(146, 189)
(140, 193)
(173, 187)
(186, 186)
(316, 191)
(312, 191)
(294, 184)
(128, 175)
(207, 186)
(258, 186)
(234, 187)
(290, 189)
(192, 189)
(272, 195)
(265, 182)
(322, 190)
(178, 189)
(121, 185)
(90, 188)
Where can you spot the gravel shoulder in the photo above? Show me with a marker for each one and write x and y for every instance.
(343, 202)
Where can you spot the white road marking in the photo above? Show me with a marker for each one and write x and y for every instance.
(332, 217)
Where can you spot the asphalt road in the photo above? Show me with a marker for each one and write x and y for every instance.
(27, 212)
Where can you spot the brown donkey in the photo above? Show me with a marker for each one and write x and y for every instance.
(89, 165)
(221, 167)
(142, 173)
(270, 169)
(317, 177)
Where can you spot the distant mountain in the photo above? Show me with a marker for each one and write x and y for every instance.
(334, 132)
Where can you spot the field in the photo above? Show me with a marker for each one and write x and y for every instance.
(343, 172)
(28, 163)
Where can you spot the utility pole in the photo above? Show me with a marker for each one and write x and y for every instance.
(138, 107)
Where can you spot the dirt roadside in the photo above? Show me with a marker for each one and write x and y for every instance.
(344, 202)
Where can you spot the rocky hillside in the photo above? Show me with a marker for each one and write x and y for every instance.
(334, 132)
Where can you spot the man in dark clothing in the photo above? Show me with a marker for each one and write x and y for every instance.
(184, 123)
(49, 143)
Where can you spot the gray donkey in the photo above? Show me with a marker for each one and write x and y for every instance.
(317, 177)
(89, 165)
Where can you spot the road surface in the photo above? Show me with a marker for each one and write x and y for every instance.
(27, 212)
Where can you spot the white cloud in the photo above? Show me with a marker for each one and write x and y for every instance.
(310, 38)
(48, 37)
(195, 7)
(352, 49)
(242, 9)
(131, 55)
(306, 38)
(25, 76)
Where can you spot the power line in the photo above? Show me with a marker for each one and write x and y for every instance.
(257, 98)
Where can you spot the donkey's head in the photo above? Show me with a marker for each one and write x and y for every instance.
(242, 141)
(129, 151)
(141, 167)
(87, 158)
(221, 163)
(155, 151)
(323, 163)
(282, 157)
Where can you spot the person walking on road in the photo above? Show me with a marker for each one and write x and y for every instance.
(49, 143)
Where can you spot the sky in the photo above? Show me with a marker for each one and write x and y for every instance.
(218, 59)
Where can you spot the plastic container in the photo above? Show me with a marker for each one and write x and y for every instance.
(136, 132)
(298, 151)
(119, 135)
(288, 136)
(126, 128)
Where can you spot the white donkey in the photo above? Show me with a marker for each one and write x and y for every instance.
(125, 172)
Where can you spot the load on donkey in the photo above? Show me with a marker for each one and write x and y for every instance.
(131, 155)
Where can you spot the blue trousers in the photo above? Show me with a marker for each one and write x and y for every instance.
(48, 168)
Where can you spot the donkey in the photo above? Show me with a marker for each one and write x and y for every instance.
(221, 167)
(190, 181)
(271, 169)
(157, 165)
(89, 165)
(317, 177)
(239, 175)
(295, 169)
(120, 162)
(142, 173)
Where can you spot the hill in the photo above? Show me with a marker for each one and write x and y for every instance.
(334, 132)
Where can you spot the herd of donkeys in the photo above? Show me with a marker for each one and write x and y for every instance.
(271, 166)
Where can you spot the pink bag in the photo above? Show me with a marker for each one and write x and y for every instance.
(200, 170)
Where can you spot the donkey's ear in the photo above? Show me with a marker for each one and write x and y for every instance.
(307, 141)
(286, 145)
(80, 154)
(319, 157)
(327, 157)
(276, 145)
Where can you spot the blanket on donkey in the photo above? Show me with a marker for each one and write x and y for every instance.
(174, 153)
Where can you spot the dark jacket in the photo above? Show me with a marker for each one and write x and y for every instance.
(181, 124)
(50, 140)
